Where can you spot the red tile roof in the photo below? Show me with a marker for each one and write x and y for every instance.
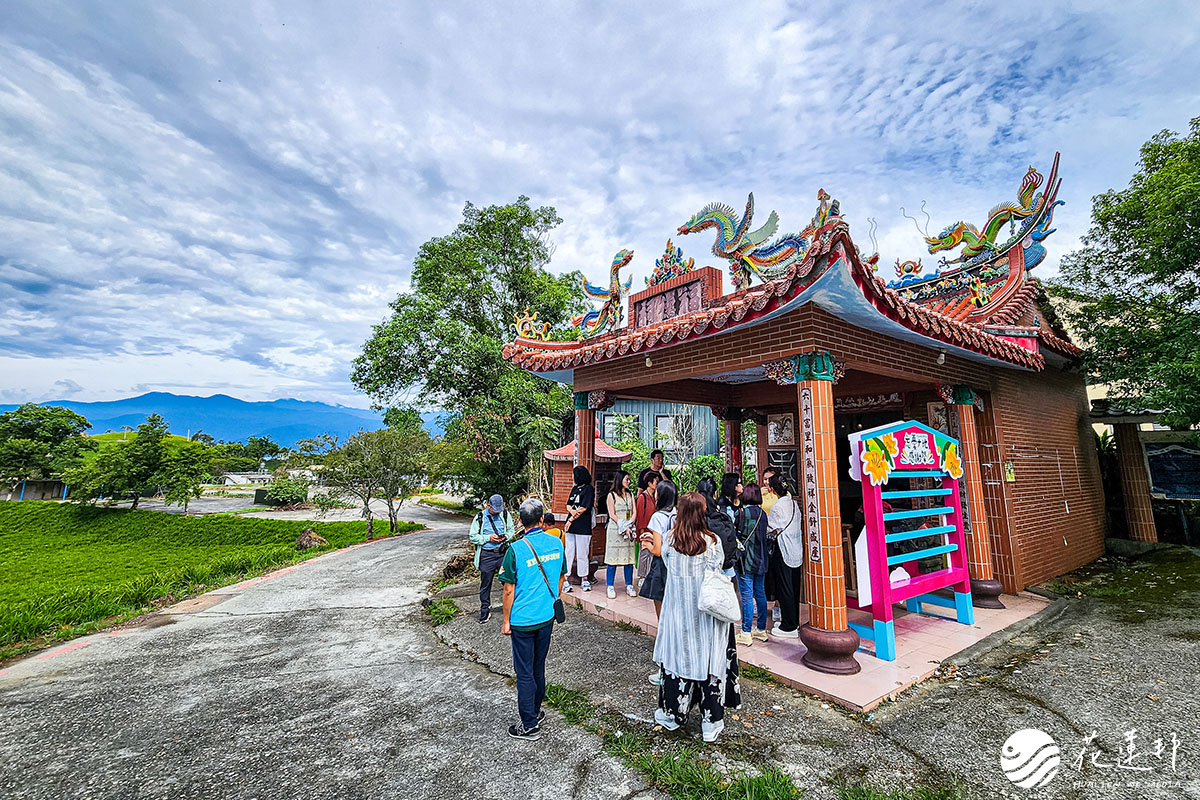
(603, 452)
(832, 242)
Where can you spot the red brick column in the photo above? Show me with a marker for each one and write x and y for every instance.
(733, 445)
(1135, 484)
(585, 433)
(985, 589)
(831, 643)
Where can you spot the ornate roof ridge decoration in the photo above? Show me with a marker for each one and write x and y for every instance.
(528, 327)
(972, 282)
(610, 315)
(748, 252)
(832, 240)
(670, 265)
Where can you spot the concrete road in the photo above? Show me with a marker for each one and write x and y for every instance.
(323, 681)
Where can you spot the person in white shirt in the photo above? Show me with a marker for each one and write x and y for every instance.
(785, 523)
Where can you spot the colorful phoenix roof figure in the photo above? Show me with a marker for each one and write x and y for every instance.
(610, 315)
(748, 251)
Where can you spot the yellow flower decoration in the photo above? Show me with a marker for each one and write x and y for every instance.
(889, 441)
(875, 466)
(951, 462)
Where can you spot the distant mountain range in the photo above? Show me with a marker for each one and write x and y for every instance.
(232, 420)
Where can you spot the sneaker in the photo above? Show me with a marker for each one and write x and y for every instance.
(585, 586)
(612, 593)
(663, 718)
(541, 716)
(744, 638)
(655, 678)
(759, 635)
(775, 613)
(778, 633)
(483, 616)
(566, 587)
(629, 590)
(519, 731)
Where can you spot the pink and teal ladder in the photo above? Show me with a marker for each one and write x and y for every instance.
(908, 451)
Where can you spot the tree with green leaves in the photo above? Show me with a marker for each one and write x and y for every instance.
(124, 470)
(388, 464)
(41, 442)
(183, 475)
(1132, 293)
(441, 346)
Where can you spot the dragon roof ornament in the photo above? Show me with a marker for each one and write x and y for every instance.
(983, 261)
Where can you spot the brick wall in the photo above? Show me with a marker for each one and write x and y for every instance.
(1055, 507)
(1037, 420)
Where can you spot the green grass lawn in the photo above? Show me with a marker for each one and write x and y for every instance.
(67, 570)
(447, 505)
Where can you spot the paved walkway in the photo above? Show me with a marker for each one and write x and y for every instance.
(322, 681)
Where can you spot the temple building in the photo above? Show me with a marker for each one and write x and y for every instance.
(813, 344)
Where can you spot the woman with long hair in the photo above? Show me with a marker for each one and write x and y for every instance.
(751, 525)
(785, 526)
(731, 494)
(581, 505)
(660, 524)
(619, 541)
(696, 653)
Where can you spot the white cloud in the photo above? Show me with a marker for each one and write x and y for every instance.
(234, 205)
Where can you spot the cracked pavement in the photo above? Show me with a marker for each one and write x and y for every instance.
(320, 681)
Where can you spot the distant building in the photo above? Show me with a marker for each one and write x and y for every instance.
(243, 478)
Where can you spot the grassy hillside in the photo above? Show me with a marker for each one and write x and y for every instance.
(66, 570)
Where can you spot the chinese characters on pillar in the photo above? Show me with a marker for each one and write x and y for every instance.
(812, 509)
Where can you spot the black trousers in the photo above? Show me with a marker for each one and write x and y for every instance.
(489, 565)
(789, 591)
(529, 663)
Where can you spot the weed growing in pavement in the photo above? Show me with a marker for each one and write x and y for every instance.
(442, 611)
(679, 769)
(756, 673)
(622, 625)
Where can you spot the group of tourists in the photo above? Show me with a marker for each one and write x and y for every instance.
(750, 534)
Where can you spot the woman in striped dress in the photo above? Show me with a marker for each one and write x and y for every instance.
(695, 652)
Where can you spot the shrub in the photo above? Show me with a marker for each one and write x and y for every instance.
(288, 491)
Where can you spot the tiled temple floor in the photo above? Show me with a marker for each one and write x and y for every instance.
(922, 642)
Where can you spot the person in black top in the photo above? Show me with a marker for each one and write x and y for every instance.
(580, 507)
(720, 524)
(731, 494)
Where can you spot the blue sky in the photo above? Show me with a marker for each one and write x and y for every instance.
(223, 197)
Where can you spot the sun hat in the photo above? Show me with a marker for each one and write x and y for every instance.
(496, 504)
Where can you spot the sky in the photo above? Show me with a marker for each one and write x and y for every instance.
(224, 197)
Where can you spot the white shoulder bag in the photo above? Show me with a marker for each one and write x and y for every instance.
(717, 596)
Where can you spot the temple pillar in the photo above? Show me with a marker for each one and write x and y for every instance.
(585, 433)
(1135, 484)
(733, 445)
(985, 589)
(830, 641)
